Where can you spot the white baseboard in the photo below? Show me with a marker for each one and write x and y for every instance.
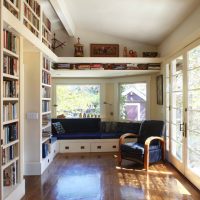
(18, 193)
(32, 168)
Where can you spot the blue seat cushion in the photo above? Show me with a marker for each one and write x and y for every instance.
(79, 135)
(137, 148)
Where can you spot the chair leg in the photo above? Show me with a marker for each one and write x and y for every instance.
(146, 160)
(119, 159)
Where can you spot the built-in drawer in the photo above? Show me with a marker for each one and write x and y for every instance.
(67, 146)
(104, 147)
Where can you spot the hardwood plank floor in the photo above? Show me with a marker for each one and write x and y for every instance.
(94, 176)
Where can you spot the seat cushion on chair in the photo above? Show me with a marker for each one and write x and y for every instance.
(136, 148)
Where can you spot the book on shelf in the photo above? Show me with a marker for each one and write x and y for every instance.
(46, 22)
(46, 119)
(10, 133)
(45, 106)
(9, 5)
(10, 88)
(35, 6)
(9, 153)
(9, 41)
(31, 17)
(10, 65)
(9, 111)
(46, 78)
(31, 28)
(46, 64)
(10, 175)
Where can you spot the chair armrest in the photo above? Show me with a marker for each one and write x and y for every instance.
(146, 149)
(150, 139)
(122, 138)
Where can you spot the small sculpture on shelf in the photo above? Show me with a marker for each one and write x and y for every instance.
(125, 52)
(78, 49)
(132, 53)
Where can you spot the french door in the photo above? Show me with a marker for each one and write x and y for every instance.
(183, 113)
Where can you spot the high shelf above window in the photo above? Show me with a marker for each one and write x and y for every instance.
(105, 67)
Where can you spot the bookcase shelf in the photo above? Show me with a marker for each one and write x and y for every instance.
(33, 12)
(10, 53)
(10, 121)
(12, 7)
(10, 99)
(10, 163)
(46, 113)
(10, 77)
(46, 85)
(10, 144)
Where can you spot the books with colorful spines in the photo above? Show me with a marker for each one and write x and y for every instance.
(119, 67)
(83, 67)
(96, 66)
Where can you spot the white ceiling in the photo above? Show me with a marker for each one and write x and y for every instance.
(147, 21)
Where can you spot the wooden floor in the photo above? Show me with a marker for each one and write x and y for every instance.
(96, 177)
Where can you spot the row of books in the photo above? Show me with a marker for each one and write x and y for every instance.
(10, 133)
(46, 64)
(46, 92)
(129, 66)
(46, 78)
(10, 65)
(10, 89)
(9, 41)
(35, 6)
(31, 28)
(46, 22)
(31, 17)
(10, 175)
(11, 8)
(9, 154)
(45, 106)
(9, 111)
(46, 43)
(46, 34)
(46, 119)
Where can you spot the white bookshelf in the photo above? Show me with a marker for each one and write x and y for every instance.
(11, 113)
(38, 78)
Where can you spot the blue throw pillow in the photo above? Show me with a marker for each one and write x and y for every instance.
(58, 127)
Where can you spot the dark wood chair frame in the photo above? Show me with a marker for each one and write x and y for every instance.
(146, 147)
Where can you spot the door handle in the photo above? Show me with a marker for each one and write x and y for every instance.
(181, 127)
(55, 105)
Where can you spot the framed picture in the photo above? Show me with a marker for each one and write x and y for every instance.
(159, 87)
(104, 50)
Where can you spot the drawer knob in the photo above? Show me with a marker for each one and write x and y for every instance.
(114, 146)
(82, 147)
(98, 147)
(66, 147)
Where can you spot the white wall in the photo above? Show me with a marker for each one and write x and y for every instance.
(88, 37)
(110, 94)
(184, 34)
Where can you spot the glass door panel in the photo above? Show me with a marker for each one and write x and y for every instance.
(167, 105)
(177, 124)
(193, 115)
